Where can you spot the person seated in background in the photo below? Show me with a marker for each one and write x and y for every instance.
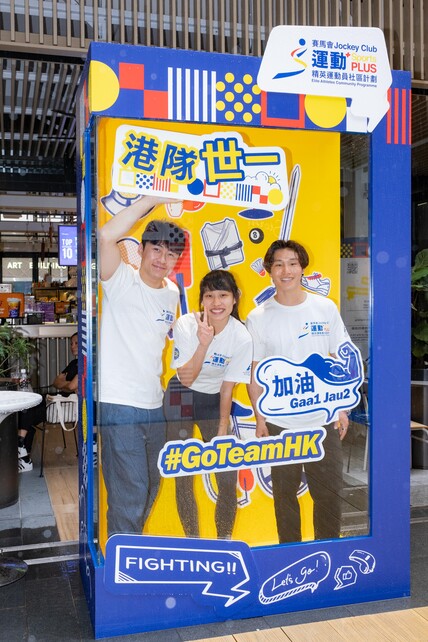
(66, 383)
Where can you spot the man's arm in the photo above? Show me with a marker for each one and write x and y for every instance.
(117, 227)
(254, 392)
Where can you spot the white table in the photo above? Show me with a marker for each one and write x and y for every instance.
(11, 568)
(12, 401)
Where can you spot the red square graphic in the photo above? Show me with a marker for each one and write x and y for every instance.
(131, 76)
(175, 398)
(155, 104)
(187, 411)
(282, 122)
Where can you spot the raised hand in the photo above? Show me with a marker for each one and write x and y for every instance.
(205, 331)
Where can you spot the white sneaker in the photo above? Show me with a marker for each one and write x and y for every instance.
(22, 452)
(25, 466)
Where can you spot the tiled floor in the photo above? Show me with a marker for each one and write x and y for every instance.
(49, 604)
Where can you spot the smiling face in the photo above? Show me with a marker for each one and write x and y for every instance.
(218, 306)
(157, 261)
(286, 274)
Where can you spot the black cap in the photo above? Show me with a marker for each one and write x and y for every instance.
(157, 232)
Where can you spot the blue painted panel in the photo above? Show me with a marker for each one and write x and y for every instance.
(125, 596)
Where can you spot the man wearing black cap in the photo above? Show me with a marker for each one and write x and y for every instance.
(138, 310)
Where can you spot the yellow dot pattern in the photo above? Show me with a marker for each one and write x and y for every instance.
(227, 191)
(238, 98)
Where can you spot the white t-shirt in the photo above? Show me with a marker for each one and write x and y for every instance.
(295, 332)
(228, 357)
(135, 321)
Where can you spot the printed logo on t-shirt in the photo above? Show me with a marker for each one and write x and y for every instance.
(167, 317)
(315, 329)
(305, 331)
(176, 353)
(217, 360)
(319, 328)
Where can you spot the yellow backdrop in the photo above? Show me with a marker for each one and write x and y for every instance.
(316, 225)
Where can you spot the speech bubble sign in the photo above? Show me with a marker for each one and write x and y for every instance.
(304, 575)
(215, 168)
(348, 62)
(212, 570)
(318, 385)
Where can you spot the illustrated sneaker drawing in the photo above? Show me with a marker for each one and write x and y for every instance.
(315, 283)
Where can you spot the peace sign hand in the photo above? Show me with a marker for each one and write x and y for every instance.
(205, 332)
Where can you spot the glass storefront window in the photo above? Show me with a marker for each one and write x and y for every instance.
(50, 267)
(19, 272)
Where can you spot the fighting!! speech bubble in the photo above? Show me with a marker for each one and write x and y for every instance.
(212, 571)
(347, 62)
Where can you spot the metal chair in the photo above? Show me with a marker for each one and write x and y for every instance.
(61, 411)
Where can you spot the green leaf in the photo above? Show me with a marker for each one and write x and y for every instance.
(420, 268)
(419, 274)
(421, 259)
(420, 332)
(419, 349)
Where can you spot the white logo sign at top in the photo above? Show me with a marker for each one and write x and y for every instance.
(350, 62)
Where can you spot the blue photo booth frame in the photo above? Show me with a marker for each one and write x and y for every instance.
(275, 579)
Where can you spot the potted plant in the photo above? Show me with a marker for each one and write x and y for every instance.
(15, 350)
(420, 311)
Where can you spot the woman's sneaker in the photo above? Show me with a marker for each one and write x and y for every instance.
(25, 464)
(24, 460)
(22, 452)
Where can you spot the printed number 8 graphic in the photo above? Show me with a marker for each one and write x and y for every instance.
(256, 235)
